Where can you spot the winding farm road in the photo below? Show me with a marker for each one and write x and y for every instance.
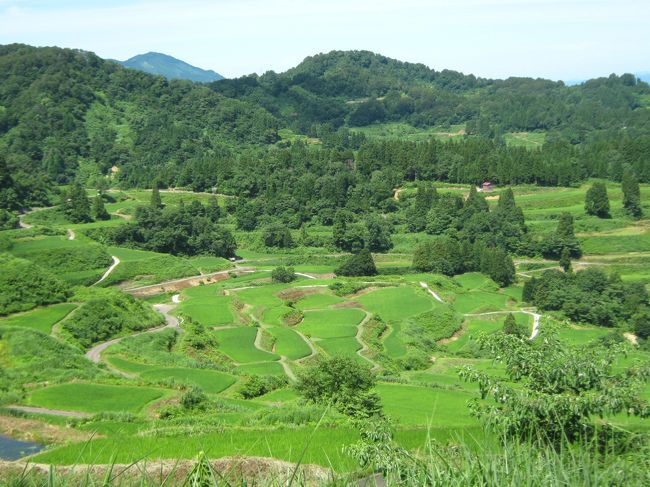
(364, 346)
(21, 223)
(109, 270)
(95, 353)
(432, 292)
(304, 275)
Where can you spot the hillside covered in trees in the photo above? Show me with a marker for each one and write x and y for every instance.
(69, 116)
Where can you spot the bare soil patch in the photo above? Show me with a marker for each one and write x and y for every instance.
(39, 431)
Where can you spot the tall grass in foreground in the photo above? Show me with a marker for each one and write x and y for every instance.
(513, 464)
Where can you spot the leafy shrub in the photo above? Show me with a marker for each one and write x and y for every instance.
(342, 382)
(427, 328)
(360, 264)
(256, 385)
(277, 235)
(283, 274)
(24, 285)
(344, 288)
(194, 398)
(109, 313)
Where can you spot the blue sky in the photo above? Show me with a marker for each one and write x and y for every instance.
(558, 39)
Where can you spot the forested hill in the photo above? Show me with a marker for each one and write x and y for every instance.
(359, 87)
(67, 113)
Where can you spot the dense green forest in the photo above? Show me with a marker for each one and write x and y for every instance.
(69, 116)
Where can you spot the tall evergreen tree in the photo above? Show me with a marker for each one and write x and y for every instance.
(498, 265)
(425, 198)
(213, 211)
(565, 259)
(564, 237)
(99, 210)
(511, 327)
(77, 204)
(475, 203)
(156, 202)
(631, 193)
(379, 232)
(596, 200)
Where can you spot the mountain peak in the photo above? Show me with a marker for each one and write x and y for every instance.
(168, 66)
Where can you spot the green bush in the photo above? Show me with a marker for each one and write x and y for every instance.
(108, 314)
(283, 274)
(256, 385)
(360, 264)
(24, 285)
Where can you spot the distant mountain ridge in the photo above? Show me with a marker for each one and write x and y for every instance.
(169, 67)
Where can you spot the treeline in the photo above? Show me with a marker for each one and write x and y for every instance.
(184, 230)
(320, 89)
(591, 296)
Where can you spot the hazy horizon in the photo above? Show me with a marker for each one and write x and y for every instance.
(569, 40)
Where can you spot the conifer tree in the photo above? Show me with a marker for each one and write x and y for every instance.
(99, 210)
(511, 327)
(213, 211)
(156, 202)
(564, 237)
(565, 259)
(425, 198)
(631, 193)
(77, 205)
(475, 203)
(596, 201)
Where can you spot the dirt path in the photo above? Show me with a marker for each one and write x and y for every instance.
(283, 359)
(21, 223)
(304, 275)
(364, 347)
(71, 234)
(309, 344)
(536, 318)
(397, 193)
(185, 282)
(50, 412)
(631, 337)
(433, 293)
(95, 353)
(109, 270)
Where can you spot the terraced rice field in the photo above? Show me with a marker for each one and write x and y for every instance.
(331, 323)
(41, 319)
(397, 303)
(239, 344)
(95, 398)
